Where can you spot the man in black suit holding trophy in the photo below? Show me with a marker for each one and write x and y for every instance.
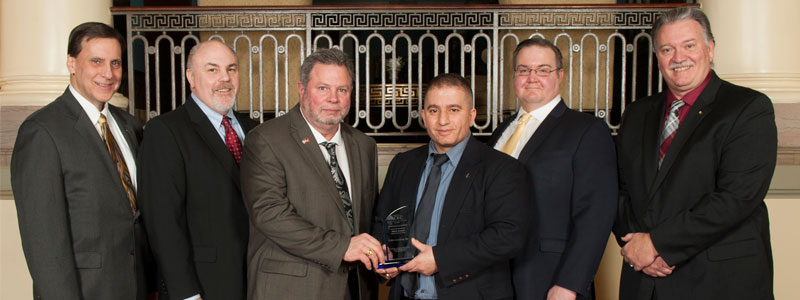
(468, 216)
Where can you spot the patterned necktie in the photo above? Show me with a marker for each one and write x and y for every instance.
(670, 127)
(232, 140)
(511, 145)
(421, 227)
(119, 161)
(340, 182)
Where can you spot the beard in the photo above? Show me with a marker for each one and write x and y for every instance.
(222, 104)
(316, 115)
(331, 120)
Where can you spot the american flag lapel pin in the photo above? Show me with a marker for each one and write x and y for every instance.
(306, 140)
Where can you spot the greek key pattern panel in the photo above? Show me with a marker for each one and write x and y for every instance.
(579, 19)
(217, 21)
(389, 19)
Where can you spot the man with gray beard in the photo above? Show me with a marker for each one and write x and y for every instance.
(190, 193)
(309, 182)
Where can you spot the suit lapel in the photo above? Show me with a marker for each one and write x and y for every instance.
(498, 132)
(355, 181)
(209, 135)
(86, 128)
(686, 128)
(543, 131)
(301, 134)
(651, 134)
(130, 136)
(245, 122)
(411, 179)
(459, 186)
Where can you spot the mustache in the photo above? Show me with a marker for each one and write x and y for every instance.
(681, 65)
(224, 86)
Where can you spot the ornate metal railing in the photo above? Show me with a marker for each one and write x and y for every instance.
(607, 56)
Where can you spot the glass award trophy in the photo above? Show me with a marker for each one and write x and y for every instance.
(396, 236)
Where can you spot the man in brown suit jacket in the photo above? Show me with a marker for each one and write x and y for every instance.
(309, 201)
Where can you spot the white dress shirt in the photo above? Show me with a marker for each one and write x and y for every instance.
(341, 152)
(537, 116)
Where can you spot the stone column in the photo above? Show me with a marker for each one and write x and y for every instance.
(756, 47)
(33, 72)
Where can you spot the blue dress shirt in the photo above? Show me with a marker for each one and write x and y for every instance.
(216, 120)
(427, 285)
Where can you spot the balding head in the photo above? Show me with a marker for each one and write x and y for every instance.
(213, 74)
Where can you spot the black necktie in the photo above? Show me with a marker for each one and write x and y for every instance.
(421, 227)
(341, 183)
(422, 216)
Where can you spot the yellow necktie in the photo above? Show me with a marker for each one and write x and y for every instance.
(119, 161)
(509, 147)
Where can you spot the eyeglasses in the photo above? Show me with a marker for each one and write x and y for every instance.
(541, 72)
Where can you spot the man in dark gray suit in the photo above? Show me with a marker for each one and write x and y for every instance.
(73, 174)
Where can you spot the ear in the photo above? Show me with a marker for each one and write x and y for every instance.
(422, 114)
(300, 90)
(711, 51)
(472, 114)
(190, 77)
(70, 64)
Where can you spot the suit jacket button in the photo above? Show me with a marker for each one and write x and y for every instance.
(460, 278)
(454, 281)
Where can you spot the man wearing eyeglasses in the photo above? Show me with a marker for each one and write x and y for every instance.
(571, 165)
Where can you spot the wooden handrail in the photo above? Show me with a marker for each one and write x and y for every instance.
(132, 9)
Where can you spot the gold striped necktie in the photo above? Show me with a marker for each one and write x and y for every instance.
(511, 145)
(119, 161)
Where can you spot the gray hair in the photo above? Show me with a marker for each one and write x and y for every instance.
(539, 42)
(190, 57)
(679, 14)
(326, 57)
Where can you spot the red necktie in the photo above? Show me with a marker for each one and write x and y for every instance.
(232, 140)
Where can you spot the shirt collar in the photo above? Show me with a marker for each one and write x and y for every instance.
(454, 154)
(690, 98)
(336, 139)
(88, 107)
(541, 112)
(213, 116)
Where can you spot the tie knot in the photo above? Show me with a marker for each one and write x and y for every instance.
(524, 118)
(226, 121)
(439, 159)
(102, 120)
(329, 145)
(676, 105)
